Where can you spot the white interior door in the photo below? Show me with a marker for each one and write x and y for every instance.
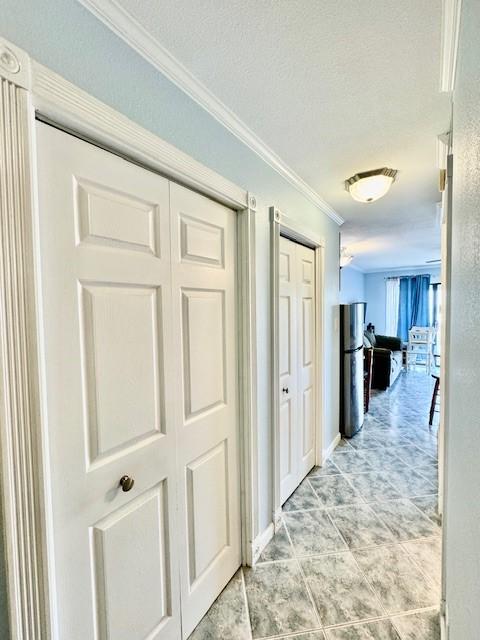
(105, 261)
(288, 367)
(203, 258)
(296, 364)
(305, 259)
(140, 384)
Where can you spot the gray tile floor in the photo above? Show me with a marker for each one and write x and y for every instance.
(358, 554)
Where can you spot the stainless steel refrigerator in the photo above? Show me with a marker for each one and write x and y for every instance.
(352, 318)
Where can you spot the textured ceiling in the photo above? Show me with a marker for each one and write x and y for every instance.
(333, 87)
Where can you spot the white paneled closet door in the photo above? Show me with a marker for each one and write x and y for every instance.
(139, 385)
(288, 359)
(297, 364)
(305, 258)
(205, 382)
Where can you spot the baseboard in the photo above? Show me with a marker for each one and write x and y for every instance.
(277, 519)
(444, 622)
(261, 542)
(333, 445)
(443, 628)
(263, 538)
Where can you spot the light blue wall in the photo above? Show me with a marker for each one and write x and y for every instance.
(462, 510)
(352, 286)
(375, 292)
(65, 37)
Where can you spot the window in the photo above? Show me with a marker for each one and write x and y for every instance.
(392, 302)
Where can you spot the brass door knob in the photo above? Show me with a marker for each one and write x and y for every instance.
(126, 482)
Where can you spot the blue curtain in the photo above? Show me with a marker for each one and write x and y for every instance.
(413, 306)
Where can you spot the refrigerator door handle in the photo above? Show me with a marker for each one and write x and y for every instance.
(354, 350)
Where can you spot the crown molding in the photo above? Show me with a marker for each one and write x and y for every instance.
(135, 35)
(59, 101)
(451, 11)
(399, 269)
(354, 267)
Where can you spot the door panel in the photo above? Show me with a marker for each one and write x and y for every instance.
(204, 478)
(288, 346)
(123, 578)
(122, 409)
(296, 363)
(203, 321)
(105, 289)
(205, 380)
(306, 362)
(138, 295)
(115, 219)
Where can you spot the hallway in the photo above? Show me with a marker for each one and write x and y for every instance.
(359, 551)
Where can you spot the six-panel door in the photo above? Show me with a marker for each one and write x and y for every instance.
(288, 369)
(127, 367)
(296, 364)
(205, 380)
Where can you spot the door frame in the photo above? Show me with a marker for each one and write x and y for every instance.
(28, 91)
(282, 225)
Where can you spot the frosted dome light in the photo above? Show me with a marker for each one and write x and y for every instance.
(370, 185)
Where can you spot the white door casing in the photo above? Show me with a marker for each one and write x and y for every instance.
(112, 382)
(29, 89)
(288, 370)
(296, 309)
(205, 382)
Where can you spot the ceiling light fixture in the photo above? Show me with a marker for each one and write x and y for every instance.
(345, 258)
(370, 185)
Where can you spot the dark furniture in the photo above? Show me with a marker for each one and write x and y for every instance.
(433, 404)
(436, 389)
(387, 359)
(367, 377)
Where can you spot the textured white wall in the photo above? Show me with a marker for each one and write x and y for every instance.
(462, 513)
(352, 287)
(375, 292)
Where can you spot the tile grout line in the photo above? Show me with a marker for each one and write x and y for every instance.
(362, 573)
(247, 608)
(314, 493)
(305, 581)
(343, 475)
(428, 578)
(399, 543)
(329, 510)
(321, 554)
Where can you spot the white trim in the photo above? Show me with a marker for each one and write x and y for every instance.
(73, 108)
(442, 146)
(137, 37)
(451, 12)
(26, 87)
(20, 435)
(280, 224)
(354, 267)
(261, 542)
(445, 440)
(444, 628)
(247, 377)
(331, 448)
(296, 231)
(410, 266)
